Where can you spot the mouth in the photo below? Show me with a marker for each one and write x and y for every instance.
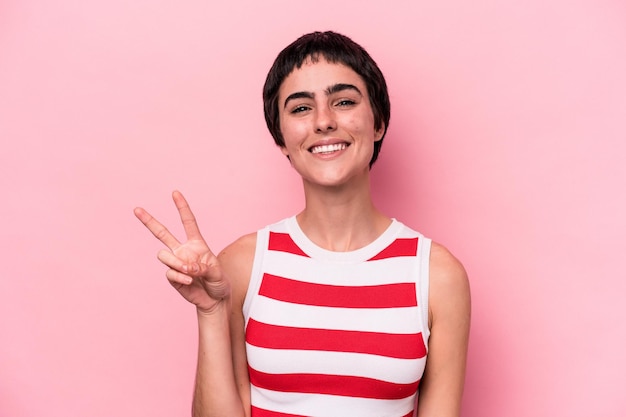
(327, 149)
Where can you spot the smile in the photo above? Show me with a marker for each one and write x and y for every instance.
(328, 148)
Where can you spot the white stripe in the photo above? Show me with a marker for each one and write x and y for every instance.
(404, 320)
(286, 361)
(321, 405)
(366, 273)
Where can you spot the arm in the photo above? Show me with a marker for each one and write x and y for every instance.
(236, 261)
(441, 389)
(197, 274)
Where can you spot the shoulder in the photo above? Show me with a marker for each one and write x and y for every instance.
(238, 250)
(236, 261)
(445, 265)
(449, 284)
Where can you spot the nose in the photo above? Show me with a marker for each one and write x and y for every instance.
(325, 120)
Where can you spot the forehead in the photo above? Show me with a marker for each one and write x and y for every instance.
(318, 76)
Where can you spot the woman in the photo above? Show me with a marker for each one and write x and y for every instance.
(339, 310)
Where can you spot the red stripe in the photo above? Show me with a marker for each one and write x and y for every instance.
(399, 247)
(373, 296)
(403, 346)
(346, 386)
(282, 242)
(259, 412)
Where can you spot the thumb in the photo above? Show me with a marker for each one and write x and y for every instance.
(213, 280)
(210, 272)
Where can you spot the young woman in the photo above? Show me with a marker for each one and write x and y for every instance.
(339, 310)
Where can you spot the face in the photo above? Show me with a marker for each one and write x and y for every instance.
(327, 122)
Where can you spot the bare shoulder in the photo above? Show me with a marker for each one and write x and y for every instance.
(236, 261)
(239, 250)
(449, 285)
(445, 266)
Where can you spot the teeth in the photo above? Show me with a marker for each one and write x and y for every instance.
(328, 148)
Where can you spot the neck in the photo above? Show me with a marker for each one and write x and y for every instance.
(341, 218)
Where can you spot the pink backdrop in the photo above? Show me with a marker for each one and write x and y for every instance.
(507, 144)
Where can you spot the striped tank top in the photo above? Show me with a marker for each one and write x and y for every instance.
(336, 333)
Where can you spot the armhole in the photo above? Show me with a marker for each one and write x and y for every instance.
(423, 257)
(262, 240)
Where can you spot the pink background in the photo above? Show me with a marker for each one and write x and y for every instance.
(507, 144)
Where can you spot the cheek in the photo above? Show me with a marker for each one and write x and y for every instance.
(361, 125)
(292, 132)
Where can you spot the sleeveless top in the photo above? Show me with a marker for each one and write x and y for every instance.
(336, 333)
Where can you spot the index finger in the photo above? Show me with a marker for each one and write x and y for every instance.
(186, 217)
(157, 229)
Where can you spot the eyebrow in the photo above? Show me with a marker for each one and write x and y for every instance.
(335, 88)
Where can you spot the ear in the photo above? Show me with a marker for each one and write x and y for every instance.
(284, 150)
(378, 135)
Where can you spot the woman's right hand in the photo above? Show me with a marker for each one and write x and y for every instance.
(193, 269)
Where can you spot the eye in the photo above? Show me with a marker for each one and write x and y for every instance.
(345, 102)
(299, 109)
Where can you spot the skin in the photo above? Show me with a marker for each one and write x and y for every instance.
(319, 104)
